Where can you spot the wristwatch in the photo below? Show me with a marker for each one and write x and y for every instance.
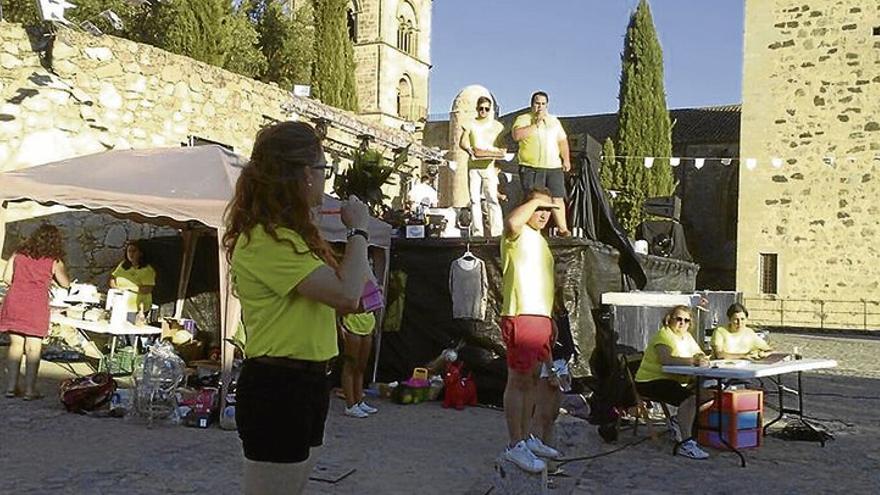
(360, 232)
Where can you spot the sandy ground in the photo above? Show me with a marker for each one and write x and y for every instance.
(427, 449)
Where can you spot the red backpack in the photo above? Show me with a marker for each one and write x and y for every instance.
(87, 393)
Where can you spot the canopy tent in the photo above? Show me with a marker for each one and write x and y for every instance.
(187, 188)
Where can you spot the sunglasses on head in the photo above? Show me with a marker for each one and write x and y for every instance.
(682, 319)
(483, 109)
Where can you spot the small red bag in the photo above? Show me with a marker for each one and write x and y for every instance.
(86, 393)
(459, 391)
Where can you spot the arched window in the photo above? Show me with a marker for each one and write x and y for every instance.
(407, 28)
(405, 98)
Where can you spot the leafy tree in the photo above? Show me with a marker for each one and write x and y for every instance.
(644, 125)
(608, 174)
(333, 80)
(286, 39)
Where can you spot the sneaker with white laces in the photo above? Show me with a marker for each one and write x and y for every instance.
(355, 412)
(541, 449)
(367, 408)
(520, 455)
(692, 450)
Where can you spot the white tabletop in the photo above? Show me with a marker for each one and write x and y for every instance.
(125, 328)
(717, 369)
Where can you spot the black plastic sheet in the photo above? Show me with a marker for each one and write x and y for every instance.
(584, 270)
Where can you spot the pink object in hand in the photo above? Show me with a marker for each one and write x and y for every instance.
(372, 298)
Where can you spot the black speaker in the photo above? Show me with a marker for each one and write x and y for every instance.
(664, 207)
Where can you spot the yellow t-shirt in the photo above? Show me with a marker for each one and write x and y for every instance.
(278, 321)
(483, 134)
(359, 323)
(681, 346)
(743, 341)
(541, 149)
(527, 280)
(132, 279)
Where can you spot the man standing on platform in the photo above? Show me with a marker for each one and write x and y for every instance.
(480, 141)
(526, 324)
(543, 154)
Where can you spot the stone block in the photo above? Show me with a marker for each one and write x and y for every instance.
(99, 53)
(509, 479)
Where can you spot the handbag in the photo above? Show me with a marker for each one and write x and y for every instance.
(87, 393)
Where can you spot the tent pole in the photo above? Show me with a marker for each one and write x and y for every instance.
(377, 342)
(230, 312)
(2, 225)
(190, 240)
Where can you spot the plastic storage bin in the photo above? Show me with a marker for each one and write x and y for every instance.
(739, 439)
(743, 420)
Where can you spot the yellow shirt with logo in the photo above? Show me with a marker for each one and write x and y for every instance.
(541, 148)
(680, 345)
(132, 279)
(483, 134)
(743, 341)
(527, 280)
(278, 321)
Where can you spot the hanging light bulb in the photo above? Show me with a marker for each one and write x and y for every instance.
(751, 163)
(699, 162)
(674, 161)
(649, 161)
(776, 162)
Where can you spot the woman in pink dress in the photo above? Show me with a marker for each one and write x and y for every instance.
(25, 312)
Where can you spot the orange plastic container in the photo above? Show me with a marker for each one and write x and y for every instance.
(735, 401)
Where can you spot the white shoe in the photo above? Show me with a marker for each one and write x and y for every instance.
(692, 450)
(520, 455)
(355, 412)
(366, 408)
(540, 449)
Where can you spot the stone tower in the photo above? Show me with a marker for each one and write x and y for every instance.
(392, 47)
(808, 223)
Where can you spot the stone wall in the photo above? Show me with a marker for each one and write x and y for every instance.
(811, 91)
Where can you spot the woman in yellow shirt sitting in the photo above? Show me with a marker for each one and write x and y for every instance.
(737, 340)
(673, 345)
(134, 273)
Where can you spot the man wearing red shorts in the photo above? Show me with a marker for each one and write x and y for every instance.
(526, 326)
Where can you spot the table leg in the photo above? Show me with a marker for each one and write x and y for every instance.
(799, 412)
(112, 353)
(780, 392)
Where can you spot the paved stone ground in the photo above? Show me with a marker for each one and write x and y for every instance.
(427, 449)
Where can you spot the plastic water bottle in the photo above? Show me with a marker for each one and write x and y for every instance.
(227, 418)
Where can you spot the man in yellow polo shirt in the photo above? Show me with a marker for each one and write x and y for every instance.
(480, 140)
(543, 154)
(526, 325)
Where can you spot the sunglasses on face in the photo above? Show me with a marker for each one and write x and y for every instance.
(483, 109)
(682, 319)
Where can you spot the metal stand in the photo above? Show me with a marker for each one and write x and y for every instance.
(781, 389)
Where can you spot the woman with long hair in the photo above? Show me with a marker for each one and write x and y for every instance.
(291, 287)
(135, 273)
(25, 312)
(673, 345)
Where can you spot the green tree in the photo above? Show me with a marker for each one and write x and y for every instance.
(644, 125)
(333, 80)
(608, 174)
(286, 40)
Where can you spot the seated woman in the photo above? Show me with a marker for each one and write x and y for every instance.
(737, 340)
(673, 345)
(135, 274)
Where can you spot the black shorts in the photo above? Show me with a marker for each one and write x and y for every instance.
(280, 412)
(668, 391)
(551, 178)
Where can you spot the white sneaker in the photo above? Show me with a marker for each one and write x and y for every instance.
(366, 408)
(524, 458)
(540, 449)
(692, 450)
(355, 412)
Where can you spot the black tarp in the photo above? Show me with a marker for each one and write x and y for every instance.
(585, 269)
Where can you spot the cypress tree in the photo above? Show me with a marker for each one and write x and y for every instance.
(286, 39)
(608, 174)
(333, 71)
(644, 125)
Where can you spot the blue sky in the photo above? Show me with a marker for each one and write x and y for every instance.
(571, 49)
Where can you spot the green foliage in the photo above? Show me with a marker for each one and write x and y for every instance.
(365, 178)
(286, 40)
(608, 173)
(333, 80)
(644, 124)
